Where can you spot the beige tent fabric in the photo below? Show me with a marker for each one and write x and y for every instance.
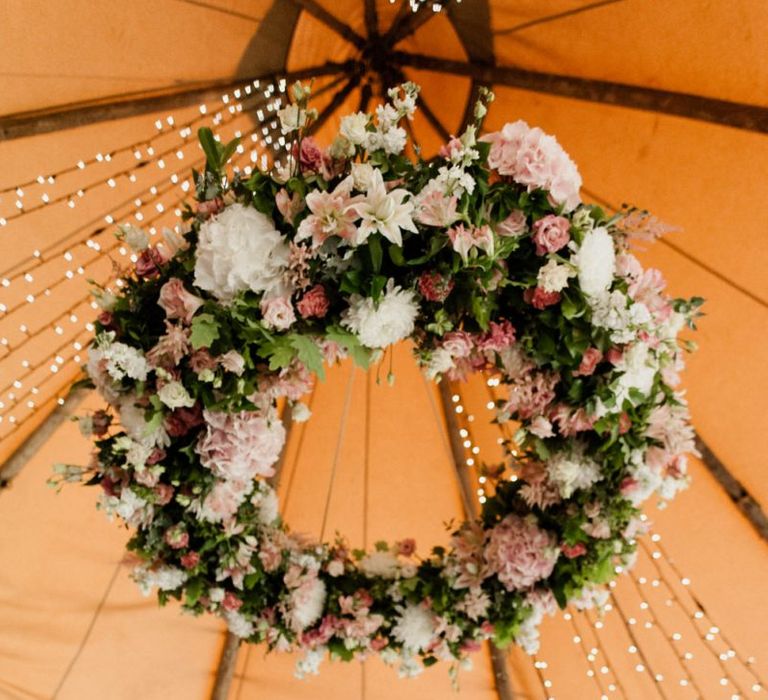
(709, 180)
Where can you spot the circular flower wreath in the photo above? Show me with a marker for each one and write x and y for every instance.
(486, 259)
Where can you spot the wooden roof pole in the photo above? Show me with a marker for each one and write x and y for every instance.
(501, 676)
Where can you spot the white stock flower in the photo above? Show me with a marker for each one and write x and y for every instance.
(166, 578)
(240, 249)
(125, 361)
(384, 212)
(553, 277)
(596, 262)
(353, 128)
(379, 326)
(175, 395)
(611, 311)
(415, 627)
(310, 664)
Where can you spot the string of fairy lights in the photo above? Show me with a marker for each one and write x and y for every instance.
(30, 382)
(738, 675)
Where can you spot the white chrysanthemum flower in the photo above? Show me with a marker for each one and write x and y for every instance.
(379, 326)
(378, 563)
(240, 249)
(553, 277)
(596, 262)
(572, 471)
(415, 627)
(175, 395)
(385, 212)
(306, 604)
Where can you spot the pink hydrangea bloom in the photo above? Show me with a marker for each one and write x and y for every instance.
(314, 304)
(520, 553)
(536, 160)
(177, 302)
(240, 445)
(550, 234)
(223, 500)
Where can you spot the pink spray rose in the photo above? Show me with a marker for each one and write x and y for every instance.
(589, 360)
(314, 304)
(514, 225)
(278, 313)
(498, 337)
(177, 302)
(190, 560)
(550, 234)
(176, 537)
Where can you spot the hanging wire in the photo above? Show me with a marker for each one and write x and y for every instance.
(337, 452)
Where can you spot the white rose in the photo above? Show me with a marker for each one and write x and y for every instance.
(353, 128)
(596, 262)
(292, 118)
(237, 250)
(174, 395)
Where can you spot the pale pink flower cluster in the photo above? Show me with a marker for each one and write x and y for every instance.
(240, 446)
(536, 160)
(531, 393)
(464, 239)
(520, 553)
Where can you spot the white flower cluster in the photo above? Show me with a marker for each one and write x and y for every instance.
(166, 578)
(571, 471)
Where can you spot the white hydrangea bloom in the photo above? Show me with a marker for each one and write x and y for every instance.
(166, 578)
(596, 262)
(572, 471)
(240, 249)
(238, 624)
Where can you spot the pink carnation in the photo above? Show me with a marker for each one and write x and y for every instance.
(177, 302)
(576, 550)
(314, 304)
(520, 553)
(176, 537)
(434, 286)
(540, 299)
(499, 336)
(589, 360)
(458, 343)
(550, 234)
(240, 445)
(190, 560)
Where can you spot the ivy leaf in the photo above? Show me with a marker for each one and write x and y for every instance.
(309, 354)
(205, 329)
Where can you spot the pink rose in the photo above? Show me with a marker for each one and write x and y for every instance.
(148, 263)
(156, 456)
(514, 225)
(176, 537)
(278, 313)
(106, 319)
(190, 560)
(314, 304)
(614, 355)
(540, 299)
(434, 287)
(163, 494)
(312, 159)
(177, 302)
(499, 336)
(550, 234)
(589, 360)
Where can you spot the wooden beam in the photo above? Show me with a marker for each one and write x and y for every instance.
(471, 510)
(409, 24)
(332, 22)
(736, 491)
(24, 452)
(723, 112)
(336, 101)
(371, 18)
(23, 124)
